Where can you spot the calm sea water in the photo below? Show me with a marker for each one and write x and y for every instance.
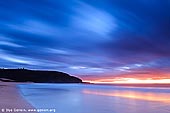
(84, 98)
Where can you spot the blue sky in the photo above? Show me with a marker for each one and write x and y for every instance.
(87, 38)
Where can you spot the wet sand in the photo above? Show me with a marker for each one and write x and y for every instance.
(11, 100)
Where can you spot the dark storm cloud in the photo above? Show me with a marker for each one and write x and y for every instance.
(145, 37)
(85, 36)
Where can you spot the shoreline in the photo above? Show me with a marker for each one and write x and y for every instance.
(11, 99)
(158, 85)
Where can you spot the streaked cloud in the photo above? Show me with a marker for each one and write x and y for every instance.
(86, 38)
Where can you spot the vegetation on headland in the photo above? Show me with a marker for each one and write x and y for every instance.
(36, 76)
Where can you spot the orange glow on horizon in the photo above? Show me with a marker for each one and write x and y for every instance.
(130, 81)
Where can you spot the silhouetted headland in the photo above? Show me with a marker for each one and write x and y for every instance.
(37, 76)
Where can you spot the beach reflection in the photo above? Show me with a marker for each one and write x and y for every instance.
(148, 96)
(80, 98)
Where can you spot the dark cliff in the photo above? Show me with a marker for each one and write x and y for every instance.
(24, 75)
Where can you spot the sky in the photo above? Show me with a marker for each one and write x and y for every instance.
(97, 40)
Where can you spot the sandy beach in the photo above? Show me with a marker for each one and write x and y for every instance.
(11, 100)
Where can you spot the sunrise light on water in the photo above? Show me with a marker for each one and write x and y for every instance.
(132, 95)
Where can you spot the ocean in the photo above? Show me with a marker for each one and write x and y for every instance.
(89, 98)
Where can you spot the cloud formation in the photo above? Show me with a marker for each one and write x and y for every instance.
(87, 38)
